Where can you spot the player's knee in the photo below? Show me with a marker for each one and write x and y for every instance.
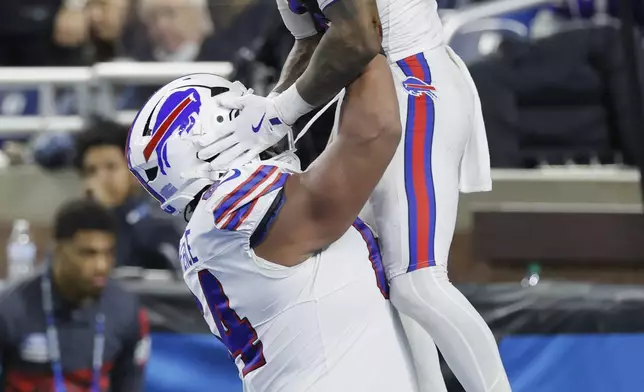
(424, 286)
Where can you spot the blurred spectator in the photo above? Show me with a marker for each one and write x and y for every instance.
(146, 237)
(174, 31)
(185, 30)
(107, 22)
(61, 32)
(41, 32)
(73, 306)
(53, 150)
(70, 24)
(178, 30)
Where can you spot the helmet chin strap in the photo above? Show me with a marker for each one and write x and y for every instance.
(315, 118)
(286, 160)
(201, 171)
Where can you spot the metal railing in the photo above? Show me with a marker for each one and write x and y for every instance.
(93, 87)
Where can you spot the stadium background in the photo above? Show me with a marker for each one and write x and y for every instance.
(561, 86)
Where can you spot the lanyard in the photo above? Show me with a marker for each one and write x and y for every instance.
(54, 346)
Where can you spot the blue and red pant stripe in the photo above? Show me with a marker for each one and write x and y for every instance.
(419, 180)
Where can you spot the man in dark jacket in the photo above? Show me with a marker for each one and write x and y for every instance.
(42, 32)
(145, 238)
(69, 327)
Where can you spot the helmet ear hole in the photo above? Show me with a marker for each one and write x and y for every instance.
(152, 173)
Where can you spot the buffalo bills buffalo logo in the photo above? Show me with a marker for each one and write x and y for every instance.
(418, 88)
(177, 114)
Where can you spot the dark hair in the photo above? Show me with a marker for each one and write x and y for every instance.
(82, 214)
(100, 132)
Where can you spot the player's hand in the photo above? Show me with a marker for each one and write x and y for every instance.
(221, 154)
(259, 124)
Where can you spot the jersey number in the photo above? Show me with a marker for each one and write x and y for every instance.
(238, 335)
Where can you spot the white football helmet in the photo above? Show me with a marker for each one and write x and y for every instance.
(171, 129)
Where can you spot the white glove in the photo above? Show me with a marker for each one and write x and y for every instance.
(259, 124)
(223, 153)
(220, 152)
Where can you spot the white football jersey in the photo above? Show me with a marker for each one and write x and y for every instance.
(408, 26)
(324, 325)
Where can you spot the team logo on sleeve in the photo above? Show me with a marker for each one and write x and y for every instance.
(418, 88)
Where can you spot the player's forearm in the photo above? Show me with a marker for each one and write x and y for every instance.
(352, 41)
(296, 62)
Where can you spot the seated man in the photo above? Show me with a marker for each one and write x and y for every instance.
(53, 323)
(144, 238)
(285, 273)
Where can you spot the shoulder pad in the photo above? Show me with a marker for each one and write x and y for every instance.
(244, 194)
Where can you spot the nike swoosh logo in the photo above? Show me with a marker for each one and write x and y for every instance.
(236, 173)
(256, 129)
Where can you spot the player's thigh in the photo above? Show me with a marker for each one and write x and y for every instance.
(425, 354)
(453, 126)
(418, 196)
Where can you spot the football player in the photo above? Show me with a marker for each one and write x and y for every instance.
(284, 273)
(443, 151)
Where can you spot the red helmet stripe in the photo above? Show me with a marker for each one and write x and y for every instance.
(165, 126)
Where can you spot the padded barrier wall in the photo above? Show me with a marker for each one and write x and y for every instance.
(554, 337)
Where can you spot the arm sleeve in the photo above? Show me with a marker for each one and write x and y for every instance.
(129, 367)
(296, 19)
